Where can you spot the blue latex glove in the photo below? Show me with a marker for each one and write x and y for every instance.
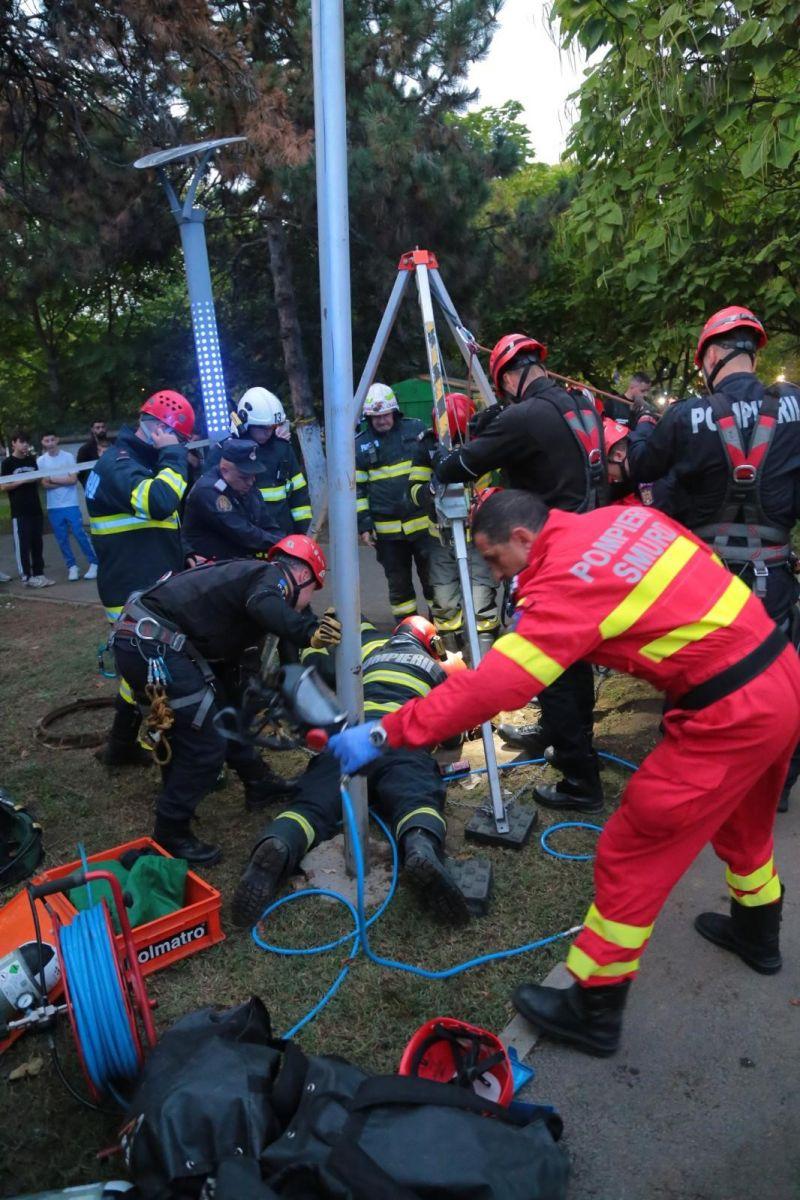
(353, 748)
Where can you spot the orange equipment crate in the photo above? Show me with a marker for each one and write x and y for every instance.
(164, 941)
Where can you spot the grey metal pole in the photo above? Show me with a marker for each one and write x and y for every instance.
(451, 504)
(459, 333)
(379, 345)
(327, 23)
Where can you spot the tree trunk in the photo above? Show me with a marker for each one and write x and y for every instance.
(307, 426)
(52, 364)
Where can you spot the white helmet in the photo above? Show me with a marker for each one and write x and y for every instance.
(259, 407)
(380, 399)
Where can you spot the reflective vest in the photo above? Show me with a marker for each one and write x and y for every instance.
(386, 466)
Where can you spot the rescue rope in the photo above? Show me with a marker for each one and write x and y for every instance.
(159, 719)
(72, 741)
(362, 923)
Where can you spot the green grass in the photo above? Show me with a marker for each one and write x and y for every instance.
(47, 658)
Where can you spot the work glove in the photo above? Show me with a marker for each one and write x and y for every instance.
(353, 747)
(328, 632)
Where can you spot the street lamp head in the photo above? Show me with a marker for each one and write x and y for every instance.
(160, 158)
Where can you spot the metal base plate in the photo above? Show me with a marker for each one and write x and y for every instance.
(521, 822)
(474, 878)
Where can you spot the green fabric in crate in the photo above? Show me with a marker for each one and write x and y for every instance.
(156, 884)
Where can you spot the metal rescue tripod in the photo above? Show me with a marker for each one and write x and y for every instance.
(501, 826)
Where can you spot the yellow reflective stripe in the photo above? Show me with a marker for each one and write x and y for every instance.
(417, 525)
(420, 474)
(418, 812)
(173, 480)
(719, 616)
(303, 513)
(113, 612)
(528, 656)
(372, 708)
(649, 588)
(361, 477)
(370, 647)
(447, 625)
(631, 937)
(362, 505)
(392, 472)
(298, 481)
(388, 527)
(768, 894)
(126, 523)
(306, 827)
(753, 881)
(274, 494)
(401, 678)
(404, 608)
(488, 623)
(125, 691)
(583, 966)
(140, 498)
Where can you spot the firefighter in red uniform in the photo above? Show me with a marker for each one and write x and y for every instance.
(631, 589)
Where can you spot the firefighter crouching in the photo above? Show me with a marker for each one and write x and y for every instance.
(549, 442)
(225, 515)
(133, 494)
(179, 643)
(631, 589)
(443, 567)
(734, 455)
(405, 786)
(389, 458)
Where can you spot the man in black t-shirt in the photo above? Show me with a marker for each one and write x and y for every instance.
(27, 522)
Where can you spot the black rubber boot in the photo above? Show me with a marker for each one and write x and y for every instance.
(552, 759)
(177, 839)
(424, 869)
(122, 748)
(530, 738)
(587, 1017)
(260, 793)
(574, 795)
(752, 933)
(270, 865)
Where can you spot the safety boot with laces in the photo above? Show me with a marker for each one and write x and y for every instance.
(425, 871)
(270, 865)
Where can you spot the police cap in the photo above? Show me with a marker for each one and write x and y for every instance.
(242, 453)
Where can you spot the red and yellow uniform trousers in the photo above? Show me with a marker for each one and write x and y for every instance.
(630, 589)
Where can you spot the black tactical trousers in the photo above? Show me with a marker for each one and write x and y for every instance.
(398, 556)
(567, 719)
(404, 787)
(198, 755)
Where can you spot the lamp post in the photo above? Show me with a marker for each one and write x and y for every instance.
(191, 223)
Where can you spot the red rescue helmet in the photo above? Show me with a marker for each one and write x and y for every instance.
(507, 349)
(727, 321)
(480, 498)
(613, 432)
(451, 1051)
(172, 409)
(299, 545)
(460, 407)
(425, 633)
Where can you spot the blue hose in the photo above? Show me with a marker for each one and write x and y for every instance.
(548, 849)
(359, 934)
(101, 1019)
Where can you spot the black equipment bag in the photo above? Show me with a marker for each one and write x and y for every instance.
(221, 1099)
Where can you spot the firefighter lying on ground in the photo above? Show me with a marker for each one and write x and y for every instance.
(443, 567)
(405, 786)
(631, 589)
(225, 515)
(389, 458)
(181, 642)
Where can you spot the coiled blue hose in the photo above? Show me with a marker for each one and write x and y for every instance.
(101, 1020)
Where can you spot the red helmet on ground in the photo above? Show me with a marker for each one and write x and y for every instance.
(725, 322)
(172, 409)
(613, 432)
(425, 633)
(451, 1051)
(507, 349)
(460, 407)
(299, 545)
